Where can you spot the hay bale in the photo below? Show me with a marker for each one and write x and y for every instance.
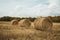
(43, 24)
(25, 23)
(14, 22)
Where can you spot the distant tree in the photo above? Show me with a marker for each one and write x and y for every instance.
(5, 18)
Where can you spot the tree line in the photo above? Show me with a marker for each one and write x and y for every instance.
(8, 18)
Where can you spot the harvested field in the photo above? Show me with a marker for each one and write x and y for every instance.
(14, 32)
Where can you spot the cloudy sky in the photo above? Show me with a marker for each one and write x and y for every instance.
(29, 8)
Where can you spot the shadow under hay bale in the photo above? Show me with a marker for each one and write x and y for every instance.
(25, 23)
(43, 24)
(14, 22)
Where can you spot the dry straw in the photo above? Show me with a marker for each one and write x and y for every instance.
(43, 24)
(14, 22)
(25, 23)
(32, 25)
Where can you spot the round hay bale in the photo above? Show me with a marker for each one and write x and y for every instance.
(25, 23)
(43, 24)
(14, 22)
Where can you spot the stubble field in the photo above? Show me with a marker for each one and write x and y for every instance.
(15, 32)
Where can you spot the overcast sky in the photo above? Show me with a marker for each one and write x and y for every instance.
(29, 8)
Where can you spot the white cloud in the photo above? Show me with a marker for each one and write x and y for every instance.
(54, 7)
(33, 8)
(37, 10)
